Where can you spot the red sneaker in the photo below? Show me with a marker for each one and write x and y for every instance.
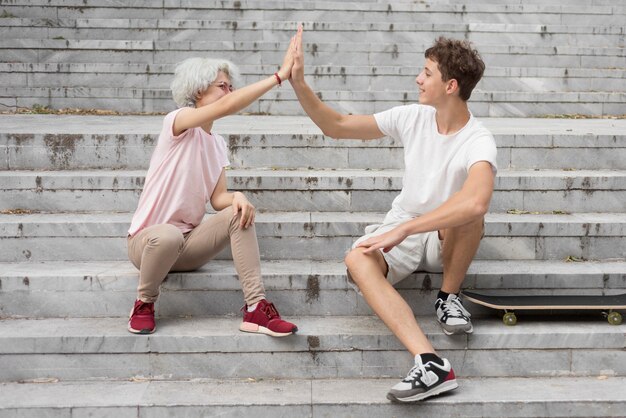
(265, 319)
(142, 318)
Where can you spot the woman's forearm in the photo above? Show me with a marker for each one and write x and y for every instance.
(223, 200)
(238, 99)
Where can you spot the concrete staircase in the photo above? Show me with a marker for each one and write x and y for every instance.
(66, 287)
(70, 183)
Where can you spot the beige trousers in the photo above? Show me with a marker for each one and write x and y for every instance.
(160, 249)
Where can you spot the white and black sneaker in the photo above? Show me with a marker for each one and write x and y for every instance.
(424, 380)
(453, 316)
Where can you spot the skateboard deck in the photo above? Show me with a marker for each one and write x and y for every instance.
(509, 304)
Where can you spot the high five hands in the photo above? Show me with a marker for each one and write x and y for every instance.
(292, 68)
(285, 69)
(297, 71)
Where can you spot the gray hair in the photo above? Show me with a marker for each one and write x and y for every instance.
(193, 76)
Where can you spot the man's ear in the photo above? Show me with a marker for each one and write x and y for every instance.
(452, 86)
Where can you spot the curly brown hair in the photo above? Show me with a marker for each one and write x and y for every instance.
(457, 60)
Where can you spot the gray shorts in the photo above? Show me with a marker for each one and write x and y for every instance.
(417, 252)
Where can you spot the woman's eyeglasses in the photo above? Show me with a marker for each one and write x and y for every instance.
(224, 86)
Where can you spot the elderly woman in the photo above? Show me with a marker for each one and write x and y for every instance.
(186, 171)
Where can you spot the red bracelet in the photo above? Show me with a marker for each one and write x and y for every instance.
(280, 82)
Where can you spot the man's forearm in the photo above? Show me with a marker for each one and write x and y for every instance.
(457, 211)
(322, 115)
(468, 205)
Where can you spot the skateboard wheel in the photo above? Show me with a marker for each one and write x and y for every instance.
(615, 318)
(509, 318)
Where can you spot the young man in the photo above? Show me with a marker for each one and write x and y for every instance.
(436, 222)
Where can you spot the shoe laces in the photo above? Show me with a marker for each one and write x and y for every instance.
(270, 311)
(143, 308)
(454, 308)
(419, 372)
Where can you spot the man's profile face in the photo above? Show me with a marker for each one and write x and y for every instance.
(432, 88)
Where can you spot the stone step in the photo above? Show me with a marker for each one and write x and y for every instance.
(342, 55)
(611, 81)
(91, 142)
(436, 12)
(597, 396)
(593, 33)
(313, 190)
(606, 80)
(352, 22)
(284, 102)
(59, 142)
(519, 132)
(552, 6)
(160, 74)
(314, 235)
(298, 287)
(119, 54)
(514, 3)
(339, 347)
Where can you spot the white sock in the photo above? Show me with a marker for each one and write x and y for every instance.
(252, 307)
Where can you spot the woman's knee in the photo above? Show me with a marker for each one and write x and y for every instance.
(227, 212)
(168, 237)
(228, 215)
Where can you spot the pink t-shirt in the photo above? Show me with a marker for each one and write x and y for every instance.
(183, 173)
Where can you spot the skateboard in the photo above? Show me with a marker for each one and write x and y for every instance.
(606, 304)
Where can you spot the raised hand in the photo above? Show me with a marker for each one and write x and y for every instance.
(285, 69)
(297, 71)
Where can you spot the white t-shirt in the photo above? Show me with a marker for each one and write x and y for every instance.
(436, 166)
(183, 173)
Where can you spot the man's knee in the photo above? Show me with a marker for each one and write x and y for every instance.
(352, 258)
(356, 260)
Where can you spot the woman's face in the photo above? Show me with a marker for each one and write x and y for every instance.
(219, 88)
